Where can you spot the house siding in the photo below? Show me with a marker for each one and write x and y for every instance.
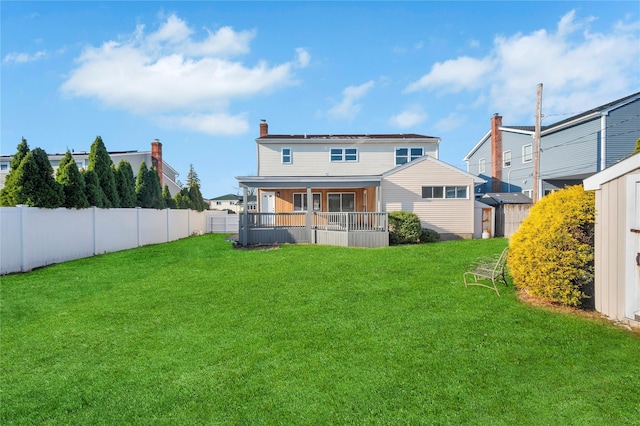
(452, 218)
(313, 159)
(622, 131)
(572, 151)
(473, 166)
(519, 176)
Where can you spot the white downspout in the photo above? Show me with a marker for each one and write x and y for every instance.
(603, 142)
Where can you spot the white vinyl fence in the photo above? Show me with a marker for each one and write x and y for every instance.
(32, 237)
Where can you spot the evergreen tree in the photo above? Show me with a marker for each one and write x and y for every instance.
(197, 203)
(72, 183)
(8, 194)
(182, 199)
(100, 162)
(94, 193)
(157, 201)
(35, 182)
(168, 200)
(192, 177)
(143, 191)
(126, 184)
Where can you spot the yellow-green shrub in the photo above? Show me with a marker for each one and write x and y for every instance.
(551, 254)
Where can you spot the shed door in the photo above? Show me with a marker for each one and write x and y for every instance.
(633, 247)
(486, 220)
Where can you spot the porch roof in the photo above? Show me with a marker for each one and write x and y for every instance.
(308, 181)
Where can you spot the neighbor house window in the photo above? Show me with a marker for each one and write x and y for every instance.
(404, 155)
(4, 166)
(300, 202)
(286, 156)
(481, 165)
(527, 153)
(444, 192)
(528, 192)
(506, 159)
(344, 154)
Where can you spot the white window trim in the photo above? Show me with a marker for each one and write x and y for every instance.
(282, 155)
(504, 159)
(343, 155)
(482, 166)
(524, 156)
(409, 156)
(444, 192)
(355, 200)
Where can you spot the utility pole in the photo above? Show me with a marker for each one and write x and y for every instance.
(536, 146)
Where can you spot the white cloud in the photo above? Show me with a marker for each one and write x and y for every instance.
(410, 117)
(170, 71)
(577, 68)
(348, 108)
(211, 124)
(21, 58)
(450, 122)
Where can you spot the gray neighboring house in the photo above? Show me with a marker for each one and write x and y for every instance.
(617, 240)
(570, 150)
(167, 174)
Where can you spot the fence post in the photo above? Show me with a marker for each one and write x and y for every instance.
(168, 225)
(138, 224)
(95, 232)
(22, 227)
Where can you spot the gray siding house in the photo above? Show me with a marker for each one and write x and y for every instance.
(347, 183)
(570, 150)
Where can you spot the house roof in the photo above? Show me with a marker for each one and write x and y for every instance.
(308, 181)
(497, 198)
(233, 197)
(571, 121)
(621, 168)
(349, 136)
(476, 179)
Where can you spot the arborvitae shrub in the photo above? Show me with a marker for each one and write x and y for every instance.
(551, 254)
(404, 227)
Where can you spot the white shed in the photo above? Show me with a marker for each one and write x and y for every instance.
(617, 240)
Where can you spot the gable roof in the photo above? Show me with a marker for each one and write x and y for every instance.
(476, 179)
(621, 168)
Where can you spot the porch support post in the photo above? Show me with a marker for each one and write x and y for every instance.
(308, 217)
(244, 223)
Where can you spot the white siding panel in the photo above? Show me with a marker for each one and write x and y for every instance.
(403, 191)
(313, 159)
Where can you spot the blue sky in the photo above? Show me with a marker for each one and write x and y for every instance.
(199, 76)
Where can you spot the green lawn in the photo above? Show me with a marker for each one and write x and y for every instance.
(195, 332)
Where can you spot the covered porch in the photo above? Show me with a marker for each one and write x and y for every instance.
(336, 210)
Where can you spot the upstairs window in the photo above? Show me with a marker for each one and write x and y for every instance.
(286, 156)
(506, 159)
(404, 155)
(344, 154)
(527, 153)
(481, 166)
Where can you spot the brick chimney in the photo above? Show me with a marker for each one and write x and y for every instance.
(264, 128)
(156, 158)
(496, 153)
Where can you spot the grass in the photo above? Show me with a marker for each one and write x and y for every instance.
(195, 332)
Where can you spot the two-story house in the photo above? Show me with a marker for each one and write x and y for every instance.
(362, 173)
(570, 150)
(167, 174)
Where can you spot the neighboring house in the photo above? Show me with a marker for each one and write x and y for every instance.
(232, 202)
(167, 174)
(362, 173)
(570, 150)
(617, 240)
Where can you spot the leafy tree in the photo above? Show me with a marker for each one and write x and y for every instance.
(95, 196)
(100, 162)
(126, 184)
(182, 199)
(637, 148)
(72, 183)
(8, 194)
(168, 200)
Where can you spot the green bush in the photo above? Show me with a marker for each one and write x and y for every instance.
(551, 254)
(404, 227)
(429, 236)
